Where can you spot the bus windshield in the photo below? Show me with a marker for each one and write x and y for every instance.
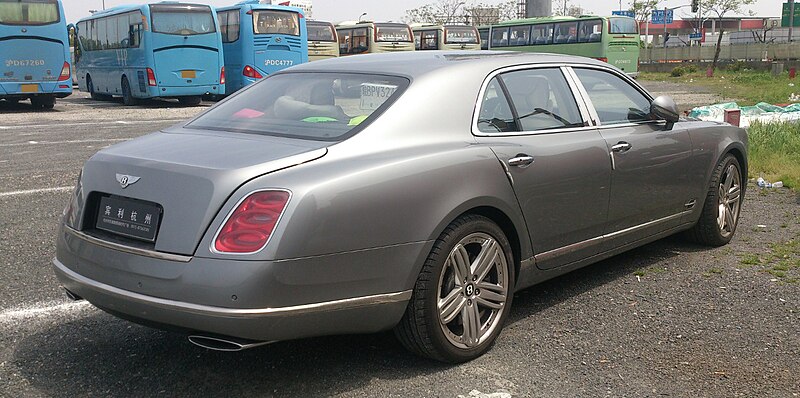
(623, 25)
(29, 12)
(392, 33)
(276, 22)
(182, 19)
(320, 32)
(460, 35)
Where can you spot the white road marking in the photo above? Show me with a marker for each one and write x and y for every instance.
(66, 142)
(60, 125)
(34, 191)
(42, 310)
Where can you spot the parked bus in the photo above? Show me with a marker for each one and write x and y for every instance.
(374, 37)
(445, 37)
(259, 40)
(34, 52)
(322, 40)
(161, 50)
(612, 39)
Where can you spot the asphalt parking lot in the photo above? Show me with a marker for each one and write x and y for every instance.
(668, 319)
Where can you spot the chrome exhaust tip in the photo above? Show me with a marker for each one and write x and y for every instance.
(226, 344)
(72, 296)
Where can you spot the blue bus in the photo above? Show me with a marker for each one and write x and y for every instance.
(260, 39)
(34, 52)
(164, 50)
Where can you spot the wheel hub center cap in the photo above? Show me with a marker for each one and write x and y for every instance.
(469, 290)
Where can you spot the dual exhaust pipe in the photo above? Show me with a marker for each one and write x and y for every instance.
(226, 344)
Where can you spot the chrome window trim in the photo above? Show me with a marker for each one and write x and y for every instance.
(238, 313)
(236, 206)
(126, 249)
(479, 101)
(554, 253)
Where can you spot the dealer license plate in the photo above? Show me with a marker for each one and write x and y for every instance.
(128, 217)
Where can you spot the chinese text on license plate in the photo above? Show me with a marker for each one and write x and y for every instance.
(128, 217)
(374, 95)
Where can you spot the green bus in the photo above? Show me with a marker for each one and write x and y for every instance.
(612, 39)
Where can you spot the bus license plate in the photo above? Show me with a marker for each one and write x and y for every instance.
(188, 74)
(30, 88)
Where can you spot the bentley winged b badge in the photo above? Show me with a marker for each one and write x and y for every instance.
(125, 180)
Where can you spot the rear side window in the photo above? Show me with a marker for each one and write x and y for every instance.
(319, 106)
(29, 12)
(614, 99)
(540, 100)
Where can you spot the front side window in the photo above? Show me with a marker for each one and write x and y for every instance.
(542, 99)
(276, 22)
(29, 12)
(182, 19)
(320, 31)
(392, 33)
(484, 33)
(614, 99)
(460, 35)
(319, 106)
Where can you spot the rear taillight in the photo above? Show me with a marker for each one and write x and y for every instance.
(251, 72)
(222, 75)
(249, 227)
(65, 72)
(151, 77)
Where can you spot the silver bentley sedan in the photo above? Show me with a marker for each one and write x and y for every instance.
(409, 191)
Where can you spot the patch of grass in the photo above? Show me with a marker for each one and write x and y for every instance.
(747, 87)
(750, 259)
(715, 270)
(639, 272)
(774, 152)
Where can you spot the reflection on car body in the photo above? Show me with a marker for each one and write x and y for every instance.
(410, 191)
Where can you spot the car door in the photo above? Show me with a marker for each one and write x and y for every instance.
(650, 177)
(556, 162)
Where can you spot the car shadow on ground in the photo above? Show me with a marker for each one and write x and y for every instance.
(22, 107)
(101, 355)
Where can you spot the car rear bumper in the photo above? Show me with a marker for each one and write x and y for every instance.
(263, 301)
(14, 89)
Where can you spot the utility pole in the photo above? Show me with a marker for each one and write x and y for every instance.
(791, 19)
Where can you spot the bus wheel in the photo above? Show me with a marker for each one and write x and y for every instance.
(90, 87)
(43, 102)
(127, 96)
(190, 101)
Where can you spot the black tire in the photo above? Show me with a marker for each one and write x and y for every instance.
(90, 89)
(127, 95)
(423, 330)
(190, 101)
(43, 102)
(724, 198)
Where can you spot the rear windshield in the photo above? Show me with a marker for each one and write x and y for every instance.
(461, 35)
(393, 33)
(29, 12)
(276, 22)
(320, 32)
(182, 19)
(623, 25)
(314, 106)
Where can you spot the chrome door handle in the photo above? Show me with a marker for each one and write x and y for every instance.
(621, 147)
(521, 161)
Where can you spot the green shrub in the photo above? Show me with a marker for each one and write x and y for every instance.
(691, 68)
(738, 66)
(677, 71)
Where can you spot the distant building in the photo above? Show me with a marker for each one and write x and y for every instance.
(538, 8)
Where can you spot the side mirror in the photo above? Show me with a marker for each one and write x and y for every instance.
(664, 108)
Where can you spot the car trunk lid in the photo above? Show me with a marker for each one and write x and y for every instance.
(189, 174)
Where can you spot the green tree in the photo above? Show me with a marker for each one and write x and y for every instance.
(643, 9)
(442, 12)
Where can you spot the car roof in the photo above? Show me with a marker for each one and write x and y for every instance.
(417, 63)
